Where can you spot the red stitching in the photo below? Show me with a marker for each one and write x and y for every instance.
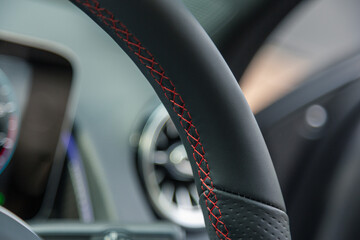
(193, 137)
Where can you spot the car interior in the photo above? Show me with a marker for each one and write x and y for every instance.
(181, 119)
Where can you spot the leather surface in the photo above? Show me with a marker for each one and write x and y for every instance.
(203, 99)
(248, 219)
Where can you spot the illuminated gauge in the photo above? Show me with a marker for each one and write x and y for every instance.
(8, 121)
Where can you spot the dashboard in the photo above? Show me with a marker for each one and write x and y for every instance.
(94, 92)
(36, 88)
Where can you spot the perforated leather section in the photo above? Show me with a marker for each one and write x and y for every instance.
(249, 219)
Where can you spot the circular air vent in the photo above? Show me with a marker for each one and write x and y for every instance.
(167, 173)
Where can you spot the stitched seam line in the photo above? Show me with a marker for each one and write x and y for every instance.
(156, 71)
(251, 199)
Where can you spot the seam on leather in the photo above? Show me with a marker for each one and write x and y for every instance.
(156, 71)
(250, 198)
(251, 219)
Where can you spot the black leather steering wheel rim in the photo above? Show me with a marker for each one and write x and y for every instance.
(239, 192)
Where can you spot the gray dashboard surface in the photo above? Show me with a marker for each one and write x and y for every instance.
(10, 224)
(109, 93)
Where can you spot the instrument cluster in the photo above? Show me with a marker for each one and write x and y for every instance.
(34, 92)
(8, 121)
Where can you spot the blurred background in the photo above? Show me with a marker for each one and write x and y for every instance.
(315, 36)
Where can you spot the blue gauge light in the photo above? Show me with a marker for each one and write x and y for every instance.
(9, 121)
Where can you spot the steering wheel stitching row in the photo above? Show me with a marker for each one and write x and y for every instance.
(159, 76)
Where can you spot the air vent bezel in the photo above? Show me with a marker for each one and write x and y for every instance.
(185, 216)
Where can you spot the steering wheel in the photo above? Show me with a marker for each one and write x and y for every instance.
(239, 192)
